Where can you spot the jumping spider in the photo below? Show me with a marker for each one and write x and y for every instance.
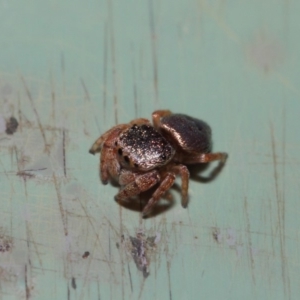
(139, 155)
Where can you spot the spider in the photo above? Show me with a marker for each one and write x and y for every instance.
(140, 155)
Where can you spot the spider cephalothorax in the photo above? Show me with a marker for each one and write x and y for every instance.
(139, 155)
(143, 148)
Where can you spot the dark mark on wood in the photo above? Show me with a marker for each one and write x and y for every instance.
(98, 290)
(130, 279)
(73, 283)
(26, 174)
(11, 125)
(216, 234)
(27, 291)
(86, 254)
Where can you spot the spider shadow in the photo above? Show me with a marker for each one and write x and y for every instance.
(138, 203)
(197, 169)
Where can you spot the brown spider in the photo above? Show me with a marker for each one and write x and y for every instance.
(139, 155)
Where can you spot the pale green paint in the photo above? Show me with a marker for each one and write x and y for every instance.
(202, 51)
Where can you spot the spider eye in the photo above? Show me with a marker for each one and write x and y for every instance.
(136, 165)
(120, 151)
(126, 158)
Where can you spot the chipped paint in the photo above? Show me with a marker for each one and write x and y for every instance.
(141, 247)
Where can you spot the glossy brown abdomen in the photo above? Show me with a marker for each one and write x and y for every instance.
(186, 134)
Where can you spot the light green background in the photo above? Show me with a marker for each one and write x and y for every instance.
(72, 69)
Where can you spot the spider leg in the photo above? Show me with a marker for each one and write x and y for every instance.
(109, 166)
(184, 173)
(97, 146)
(104, 163)
(126, 176)
(141, 183)
(157, 115)
(205, 158)
(165, 185)
(111, 133)
(140, 121)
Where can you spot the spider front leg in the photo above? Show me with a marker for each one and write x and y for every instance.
(108, 135)
(109, 166)
(205, 158)
(140, 121)
(157, 115)
(185, 175)
(167, 183)
(164, 186)
(140, 183)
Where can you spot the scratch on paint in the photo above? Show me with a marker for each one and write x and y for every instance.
(34, 110)
(96, 233)
(140, 248)
(32, 241)
(283, 182)
(280, 214)
(252, 263)
(121, 253)
(53, 97)
(62, 65)
(134, 86)
(28, 229)
(61, 209)
(98, 290)
(88, 98)
(113, 59)
(64, 152)
(130, 279)
(154, 50)
(169, 278)
(27, 290)
(105, 71)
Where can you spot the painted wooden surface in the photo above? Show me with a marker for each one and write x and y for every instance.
(72, 69)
